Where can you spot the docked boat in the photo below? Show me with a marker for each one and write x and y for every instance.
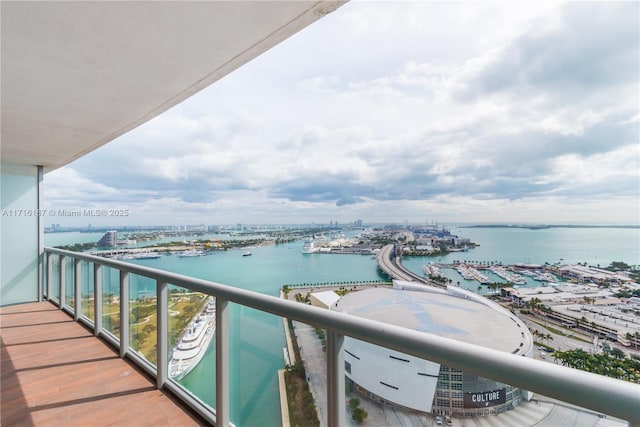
(470, 273)
(508, 276)
(308, 247)
(432, 270)
(145, 255)
(191, 253)
(193, 344)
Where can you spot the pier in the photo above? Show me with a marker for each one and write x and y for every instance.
(392, 267)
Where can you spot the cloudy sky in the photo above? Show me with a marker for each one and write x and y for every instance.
(457, 112)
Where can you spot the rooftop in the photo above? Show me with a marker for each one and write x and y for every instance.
(438, 313)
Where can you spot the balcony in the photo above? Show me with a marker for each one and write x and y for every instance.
(55, 372)
(77, 284)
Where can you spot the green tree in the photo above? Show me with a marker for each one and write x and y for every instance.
(617, 353)
(357, 413)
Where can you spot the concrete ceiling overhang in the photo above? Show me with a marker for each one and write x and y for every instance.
(76, 75)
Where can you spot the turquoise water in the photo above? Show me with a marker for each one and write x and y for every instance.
(595, 246)
(257, 339)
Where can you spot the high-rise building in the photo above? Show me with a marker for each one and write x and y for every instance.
(110, 238)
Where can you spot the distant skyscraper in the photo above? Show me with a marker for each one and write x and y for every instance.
(110, 238)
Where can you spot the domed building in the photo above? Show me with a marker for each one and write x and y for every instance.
(387, 376)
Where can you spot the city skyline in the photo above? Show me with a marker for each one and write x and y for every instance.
(463, 112)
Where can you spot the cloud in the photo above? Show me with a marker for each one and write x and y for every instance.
(596, 46)
(385, 109)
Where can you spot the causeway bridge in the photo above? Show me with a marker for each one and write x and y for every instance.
(391, 265)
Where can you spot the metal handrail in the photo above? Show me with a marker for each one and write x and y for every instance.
(609, 396)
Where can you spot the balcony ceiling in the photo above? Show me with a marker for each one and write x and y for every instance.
(76, 75)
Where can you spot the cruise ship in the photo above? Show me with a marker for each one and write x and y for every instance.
(308, 247)
(192, 346)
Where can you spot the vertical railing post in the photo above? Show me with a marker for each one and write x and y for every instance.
(124, 313)
(62, 281)
(40, 217)
(222, 362)
(97, 299)
(336, 412)
(77, 287)
(162, 362)
(49, 273)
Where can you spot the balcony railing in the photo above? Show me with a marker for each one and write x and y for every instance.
(66, 280)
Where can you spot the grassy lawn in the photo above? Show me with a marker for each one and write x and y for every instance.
(562, 333)
(143, 319)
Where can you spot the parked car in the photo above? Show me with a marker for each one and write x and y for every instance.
(438, 420)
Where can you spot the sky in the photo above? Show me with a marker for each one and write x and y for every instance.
(456, 112)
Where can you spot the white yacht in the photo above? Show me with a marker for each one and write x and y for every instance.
(145, 255)
(191, 253)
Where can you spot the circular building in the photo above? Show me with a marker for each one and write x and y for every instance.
(388, 376)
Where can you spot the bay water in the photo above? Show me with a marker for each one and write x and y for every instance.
(257, 339)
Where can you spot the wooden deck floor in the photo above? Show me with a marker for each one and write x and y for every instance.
(54, 372)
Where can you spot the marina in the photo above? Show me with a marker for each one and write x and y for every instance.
(469, 272)
(432, 270)
(507, 275)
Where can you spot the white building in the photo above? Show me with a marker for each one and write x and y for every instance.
(110, 238)
(325, 299)
(395, 378)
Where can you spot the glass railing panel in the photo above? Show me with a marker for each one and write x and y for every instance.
(256, 343)
(191, 326)
(111, 300)
(69, 292)
(191, 350)
(305, 373)
(55, 277)
(86, 290)
(143, 316)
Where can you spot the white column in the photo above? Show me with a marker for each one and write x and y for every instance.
(336, 412)
(162, 361)
(222, 362)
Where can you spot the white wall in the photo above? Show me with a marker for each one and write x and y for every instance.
(372, 365)
(19, 234)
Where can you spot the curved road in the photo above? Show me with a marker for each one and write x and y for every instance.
(394, 268)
